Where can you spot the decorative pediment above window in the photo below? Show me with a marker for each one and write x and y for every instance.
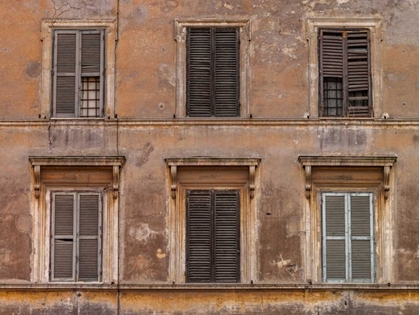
(310, 162)
(174, 163)
(82, 168)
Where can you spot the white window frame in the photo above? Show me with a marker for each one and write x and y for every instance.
(347, 237)
(180, 35)
(374, 25)
(47, 33)
(41, 211)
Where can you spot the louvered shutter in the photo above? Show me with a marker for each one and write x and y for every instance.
(199, 236)
(213, 72)
(334, 237)
(358, 74)
(89, 237)
(361, 237)
(199, 73)
(226, 236)
(226, 72)
(63, 237)
(344, 73)
(65, 74)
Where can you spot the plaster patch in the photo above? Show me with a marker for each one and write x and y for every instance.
(342, 1)
(142, 233)
(159, 254)
(282, 262)
(24, 223)
(289, 51)
(228, 6)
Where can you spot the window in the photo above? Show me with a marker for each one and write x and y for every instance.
(344, 65)
(75, 209)
(212, 67)
(78, 69)
(213, 72)
(212, 220)
(348, 237)
(76, 236)
(348, 218)
(213, 237)
(78, 84)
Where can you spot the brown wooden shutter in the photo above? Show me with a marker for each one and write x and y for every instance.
(344, 73)
(226, 236)
(89, 238)
(65, 74)
(63, 237)
(361, 225)
(199, 72)
(226, 72)
(199, 236)
(213, 72)
(334, 234)
(359, 101)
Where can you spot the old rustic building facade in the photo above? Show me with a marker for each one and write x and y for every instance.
(209, 157)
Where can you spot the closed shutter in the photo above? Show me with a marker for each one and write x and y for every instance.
(227, 236)
(89, 238)
(344, 73)
(63, 237)
(361, 237)
(213, 236)
(348, 237)
(213, 72)
(334, 237)
(199, 236)
(65, 73)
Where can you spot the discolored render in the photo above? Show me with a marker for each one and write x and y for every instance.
(278, 129)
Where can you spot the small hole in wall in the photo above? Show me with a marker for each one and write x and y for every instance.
(268, 213)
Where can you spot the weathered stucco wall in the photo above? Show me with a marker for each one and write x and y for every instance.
(146, 133)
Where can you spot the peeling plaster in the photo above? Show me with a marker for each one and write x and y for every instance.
(142, 233)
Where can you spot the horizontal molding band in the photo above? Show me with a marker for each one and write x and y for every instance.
(209, 287)
(213, 122)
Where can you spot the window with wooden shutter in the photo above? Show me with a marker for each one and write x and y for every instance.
(213, 72)
(345, 78)
(213, 236)
(76, 236)
(78, 73)
(348, 237)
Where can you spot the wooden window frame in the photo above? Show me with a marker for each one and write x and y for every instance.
(347, 237)
(218, 174)
(74, 174)
(180, 35)
(48, 28)
(312, 25)
(373, 175)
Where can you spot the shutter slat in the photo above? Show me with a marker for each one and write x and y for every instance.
(361, 259)
(91, 53)
(89, 209)
(358, 73)
(65, 74)
(63, 214)
(226, 72)
(332, 54)
(63, 237)
(336, 259)
(89, 215)
(199, 72)
(199, 251)
(227, 237)
(88, 259)
(335, 215)
(63, 259)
